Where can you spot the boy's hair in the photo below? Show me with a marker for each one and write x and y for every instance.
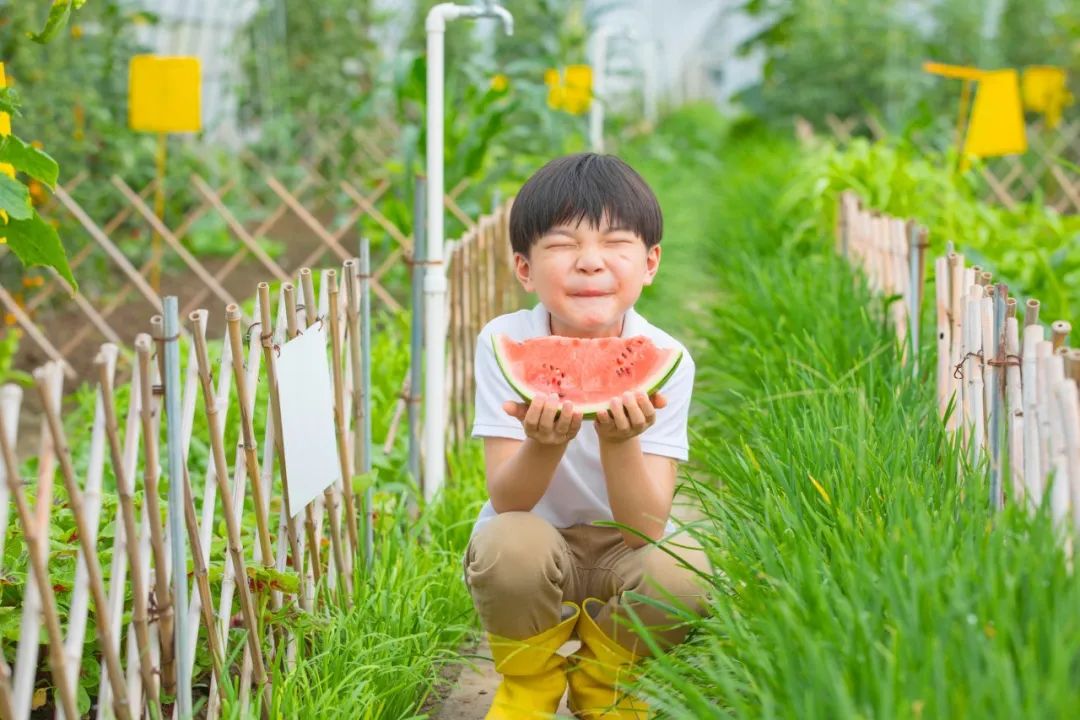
(570, 189)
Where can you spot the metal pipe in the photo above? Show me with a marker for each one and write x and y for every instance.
(416, 339)
(173, 430)
(435, 271)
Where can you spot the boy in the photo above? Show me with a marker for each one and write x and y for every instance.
(585, 231)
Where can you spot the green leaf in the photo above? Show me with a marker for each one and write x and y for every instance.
(58, 17)
(10, 101)
(15, 198)
(36, 242)
(28, 159)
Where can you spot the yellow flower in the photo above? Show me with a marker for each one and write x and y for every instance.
(76, 31)
(9, 319)
(500, 82)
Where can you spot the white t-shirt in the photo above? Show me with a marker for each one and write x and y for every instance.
(577, 494)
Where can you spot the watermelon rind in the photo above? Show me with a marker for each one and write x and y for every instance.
(589, 410)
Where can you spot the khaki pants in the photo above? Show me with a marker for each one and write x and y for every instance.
(519, 568)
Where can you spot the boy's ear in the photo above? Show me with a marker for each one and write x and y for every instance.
(523, 272)
(652, 263)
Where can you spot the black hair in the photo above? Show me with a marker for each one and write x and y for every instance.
(572, 188)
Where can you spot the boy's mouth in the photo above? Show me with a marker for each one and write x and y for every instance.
(589, 293)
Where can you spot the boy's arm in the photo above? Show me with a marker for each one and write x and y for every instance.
(519, 471)
(640, 488)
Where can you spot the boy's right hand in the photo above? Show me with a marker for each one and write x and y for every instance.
(538, 419)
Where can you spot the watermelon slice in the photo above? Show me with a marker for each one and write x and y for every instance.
(586, 371)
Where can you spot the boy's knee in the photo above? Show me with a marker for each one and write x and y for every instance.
(667, 578)
(515, 550)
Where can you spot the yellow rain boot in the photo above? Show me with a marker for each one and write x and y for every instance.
(534, 674)
(597, 670)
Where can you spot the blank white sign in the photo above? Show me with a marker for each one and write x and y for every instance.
(307, 418)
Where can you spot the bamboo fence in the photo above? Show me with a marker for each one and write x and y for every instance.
(261, 204)
(301, 563)
(482, 285)
(891, 253)
(1008, 390)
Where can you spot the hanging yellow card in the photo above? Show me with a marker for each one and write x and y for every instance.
(996, 126)
(5, 126)
(164, 94)
(1045, 90)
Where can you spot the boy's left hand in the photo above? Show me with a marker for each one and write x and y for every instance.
(629, 416)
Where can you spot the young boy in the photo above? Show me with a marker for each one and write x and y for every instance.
(585, 231)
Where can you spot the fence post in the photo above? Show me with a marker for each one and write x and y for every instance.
(416, 336)
(365, 393)
(171, 349)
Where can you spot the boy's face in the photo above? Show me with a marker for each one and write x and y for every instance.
(588, 277)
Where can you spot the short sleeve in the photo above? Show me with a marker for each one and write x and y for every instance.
(492, 390)
(668, 434)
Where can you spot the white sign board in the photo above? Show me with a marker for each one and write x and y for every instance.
(307, 418)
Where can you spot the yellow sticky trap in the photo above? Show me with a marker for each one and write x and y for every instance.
(1045, 90)
(957, 72)
(997, 119)
(164, 94)
(578, 94)
(553, 80)
(5, 128)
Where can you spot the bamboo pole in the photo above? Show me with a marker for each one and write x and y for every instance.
(1060, 330)
(1070, 414)
(235, 546)
(1031, 312)
(944, 335)
(956, 310)
(974, 418)
(79, 600)
(340, 405)
(1044, 393)
(270, 358)
(148, 412)
(1059, 490)
(1015, 408)
(247, 429)
(1033, 335)
(336, 544)
(309, 511)
(121, 704)
(35, 535)
(338, 352)
(363, 416)
(356, 372)
(127, 505)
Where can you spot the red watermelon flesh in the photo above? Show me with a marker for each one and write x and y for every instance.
(586, 371)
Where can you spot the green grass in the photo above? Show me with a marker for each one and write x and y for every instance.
(859, 572)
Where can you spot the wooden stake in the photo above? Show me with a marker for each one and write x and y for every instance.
(1033, 335)
(944, 333)
(270, 357)
(1014, 406)
(1031, 312)
(1060, 330)
(340, 412)
(314, 554)
(37, 547)
(127, 507)
(232, 527)
(247, 429)
(121, 705)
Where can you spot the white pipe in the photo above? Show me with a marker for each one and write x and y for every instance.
(649, 89)
(596, 106)
(435, 271)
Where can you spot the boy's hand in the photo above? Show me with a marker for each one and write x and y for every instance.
(629, 416)
(538, 419)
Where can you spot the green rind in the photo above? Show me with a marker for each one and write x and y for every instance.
(589, 410)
